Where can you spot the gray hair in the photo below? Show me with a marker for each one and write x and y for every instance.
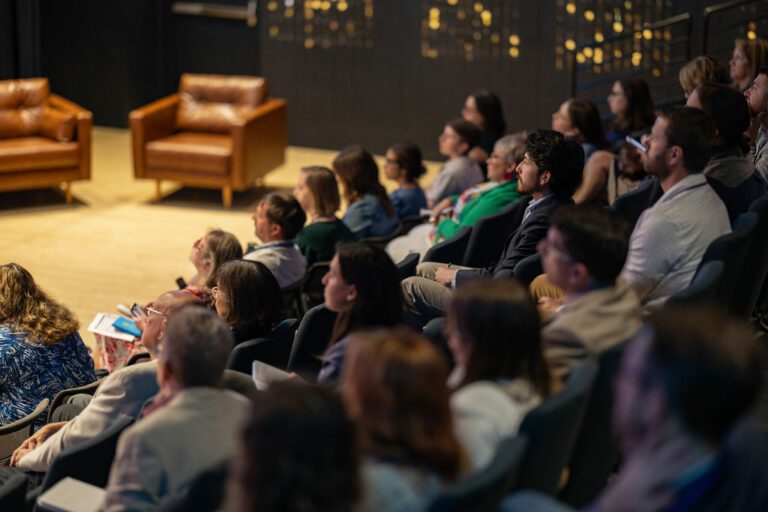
(511, 147)
(196, 347)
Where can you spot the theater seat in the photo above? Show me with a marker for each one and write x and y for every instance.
(217, 132)
(45, 140)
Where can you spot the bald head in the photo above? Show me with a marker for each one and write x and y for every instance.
(167, 305)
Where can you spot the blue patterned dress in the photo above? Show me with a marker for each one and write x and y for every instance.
(30, 372)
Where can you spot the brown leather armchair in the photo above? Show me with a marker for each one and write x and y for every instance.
(45, 140)
(217, 131)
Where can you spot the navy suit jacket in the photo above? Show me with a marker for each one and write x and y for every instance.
(521, 243)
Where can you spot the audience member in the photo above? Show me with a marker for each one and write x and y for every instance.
(500, 373)
(455, 212)
(193, 428)
(631, 105)
(729, 172)
(122, 392)
(700, 70)
(363, 287)
(208, 253)
(318, 194)
(404, 166)
(550, 173)
(583, 254)
(683, 384)
(749, 55)
(670, 238)
(483, 109)
(757, 97)
(248, 298)
(41, 352)
(298, 453)
(278, 219)
(460, 171)
(370, 212)
(579, 119)
(394, 389)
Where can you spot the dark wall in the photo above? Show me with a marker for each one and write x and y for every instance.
(114, 55)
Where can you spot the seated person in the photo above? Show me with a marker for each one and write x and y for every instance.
(492, 332)
(580, 120)
(394, 389)
(700, 70)
(483, 109)
(278, 426)
(452, 213)
(41, 352)
(729, 172)
(191, 425)
(247, 298)
(460, 172)
(208, 253)
(122, 392)
(404, 166)
(550, 173)
(583, 254)
(670, 237)
(318, 194)
(363, 287)
(277, 221)
(684, 388)
(369, 212)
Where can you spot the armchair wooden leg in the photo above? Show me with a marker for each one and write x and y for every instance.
(68, 192)
(158, 191)
(226, 196)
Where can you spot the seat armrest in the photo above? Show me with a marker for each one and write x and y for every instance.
(148, 123)
(82, 131)
(259, 142)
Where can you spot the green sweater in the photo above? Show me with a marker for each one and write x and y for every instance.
(483, 205)
(318, 241)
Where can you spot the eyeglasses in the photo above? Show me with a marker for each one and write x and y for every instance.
(392, 162)
(151, 311)
(546, 247)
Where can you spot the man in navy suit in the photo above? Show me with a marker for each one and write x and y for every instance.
(550, 174)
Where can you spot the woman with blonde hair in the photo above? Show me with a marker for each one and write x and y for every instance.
(702, 69)
(394, 389)
(749, 55)
(41, 352)
(209, 252)
(318, 194)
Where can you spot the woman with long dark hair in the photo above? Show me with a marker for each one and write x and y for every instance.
(483, 109)
(632, 109)
(500, 373)
(370, 212)
(363, 287)
(394, 389)
(580, 120)
(404, 166)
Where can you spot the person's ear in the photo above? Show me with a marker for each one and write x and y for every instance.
(544, 177)
(275, 231)
(463, 148)
(351, 293)
(579, 273)
(161, 330)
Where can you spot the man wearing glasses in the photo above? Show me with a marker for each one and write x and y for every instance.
(583, 254)
(122, 392)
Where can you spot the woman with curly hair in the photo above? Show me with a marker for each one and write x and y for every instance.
(41, 352)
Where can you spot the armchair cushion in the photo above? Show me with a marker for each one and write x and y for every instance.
(22, 153)
(21, 106)
(190, 151)
(214, 103)
(58, 125)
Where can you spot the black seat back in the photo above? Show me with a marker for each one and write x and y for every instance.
(632, 204)
(451, 250)
(311, 341)
(273, 349)
(482, 490)
(595, 451)
(551, 429)
(64, 394)
(13, 489)
(312, 285)
(89, 461)
(15, 433)
(527, 269)
(703, 287)
(407, 266)
(490, 234)
(751, 281)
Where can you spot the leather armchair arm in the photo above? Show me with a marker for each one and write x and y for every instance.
(82, 132)
(150, 122)
(259, 142)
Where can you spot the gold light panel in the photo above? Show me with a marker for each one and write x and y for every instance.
(321, 23)
(593, 29)
(470, 29)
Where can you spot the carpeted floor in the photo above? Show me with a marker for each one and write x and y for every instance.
(117, 244)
